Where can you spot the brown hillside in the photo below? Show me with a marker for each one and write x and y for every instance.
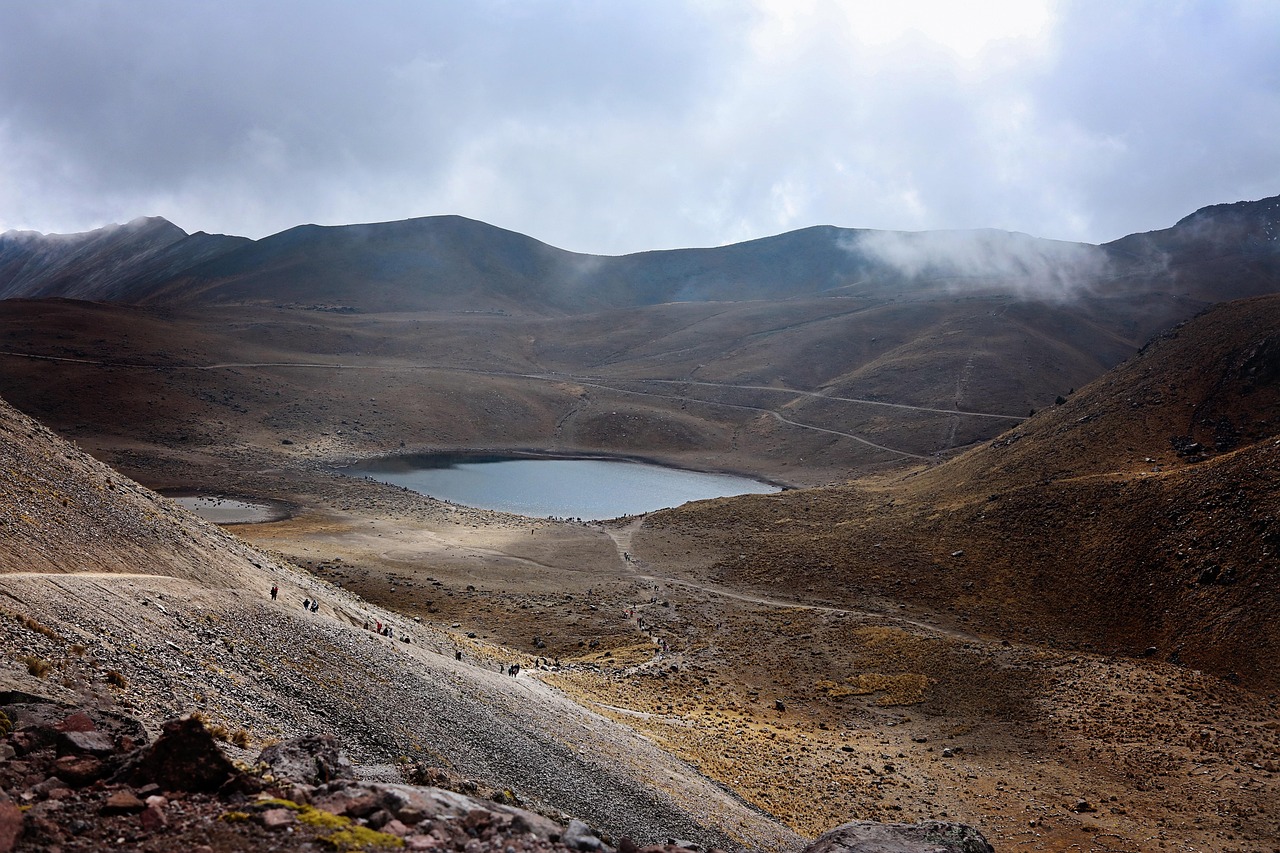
(63, 512)
(1097, 524)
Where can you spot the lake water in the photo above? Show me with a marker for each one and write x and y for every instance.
(589, 489)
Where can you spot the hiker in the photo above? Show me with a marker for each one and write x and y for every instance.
(457, 655)
(275, 590)
(306, 604)
(379, 626)
(315, 605)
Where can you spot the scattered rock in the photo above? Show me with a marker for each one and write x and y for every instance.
(11, 819)
(123, 802)
(927, 837)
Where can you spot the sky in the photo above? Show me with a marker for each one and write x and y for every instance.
(625, 125)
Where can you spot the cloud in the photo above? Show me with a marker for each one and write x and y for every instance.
(986, 261)
(624, 126)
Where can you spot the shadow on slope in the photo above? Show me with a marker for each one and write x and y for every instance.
(1140, 517)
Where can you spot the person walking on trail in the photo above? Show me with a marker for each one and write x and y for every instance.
(275, 590)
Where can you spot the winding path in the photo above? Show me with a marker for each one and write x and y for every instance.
(623, 536)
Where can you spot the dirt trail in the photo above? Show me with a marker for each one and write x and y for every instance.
(622, 538)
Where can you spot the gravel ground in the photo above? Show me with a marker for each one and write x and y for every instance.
(277, 672)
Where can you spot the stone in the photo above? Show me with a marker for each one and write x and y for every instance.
(421, 842)
(313, 759)
(1081, 806)
(927, 837)
(579, 836)
(80, 742)
(277, 818)
(123, 802)
(184, 758)
(153, 818)
(11, 819)
(77, 722)
(79, 770)
(396, 828)
(410, 815)
(351, 802)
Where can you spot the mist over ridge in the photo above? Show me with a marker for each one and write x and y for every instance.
(449, 262)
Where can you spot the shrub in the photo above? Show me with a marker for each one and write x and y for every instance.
(39, 667)
(116, 679)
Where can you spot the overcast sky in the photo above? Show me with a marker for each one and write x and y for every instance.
(617, 126)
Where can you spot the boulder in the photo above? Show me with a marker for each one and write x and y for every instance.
(184, 758)
(313, 760)
(931, 836)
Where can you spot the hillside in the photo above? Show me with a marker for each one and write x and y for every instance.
(1140, 514)
(122, 598)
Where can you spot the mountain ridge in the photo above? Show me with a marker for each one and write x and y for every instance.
(450, 262)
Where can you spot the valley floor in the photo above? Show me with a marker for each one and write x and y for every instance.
(812, 711)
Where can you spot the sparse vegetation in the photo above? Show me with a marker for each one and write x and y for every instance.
(34, 625)
(37, 666)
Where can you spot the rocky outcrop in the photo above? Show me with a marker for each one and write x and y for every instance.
(862, 836)
(84, 779)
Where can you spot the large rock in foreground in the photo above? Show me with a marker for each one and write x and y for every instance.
(861, 836)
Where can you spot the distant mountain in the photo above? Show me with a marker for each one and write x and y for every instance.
(1218, 253)
(111, 264)
(453, 263)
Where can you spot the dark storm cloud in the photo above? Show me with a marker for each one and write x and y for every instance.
(619, 126)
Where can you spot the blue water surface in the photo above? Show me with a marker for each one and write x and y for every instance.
(588, 489)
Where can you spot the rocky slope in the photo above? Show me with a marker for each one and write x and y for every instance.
(111, 591)
(86, 780)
